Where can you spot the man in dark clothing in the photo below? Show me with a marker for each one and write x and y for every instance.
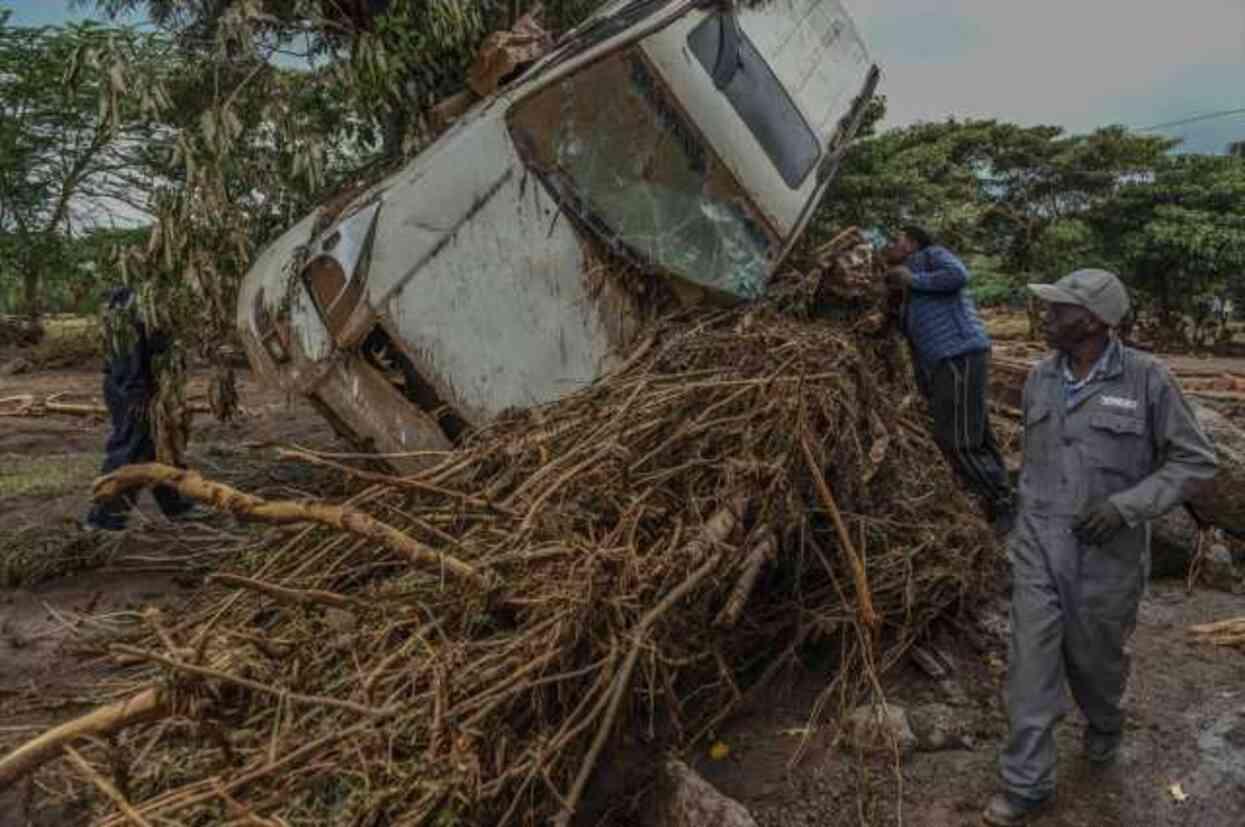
(129, 386)
(951, 355)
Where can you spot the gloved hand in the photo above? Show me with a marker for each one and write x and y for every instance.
(1099, 525)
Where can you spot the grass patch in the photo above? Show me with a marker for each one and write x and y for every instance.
(37, 554)
(69, 341)
(47, 476)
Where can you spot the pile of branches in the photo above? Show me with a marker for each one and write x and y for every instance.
(468, 645)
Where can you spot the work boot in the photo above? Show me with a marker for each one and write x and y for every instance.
(103, 518)
(1008, 810)
(1102, 748)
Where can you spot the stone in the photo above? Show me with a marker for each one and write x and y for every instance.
(880, 729)
(1219, 571)
(1173, 542)
(940, 727)
(1222, 503)
(688, 800)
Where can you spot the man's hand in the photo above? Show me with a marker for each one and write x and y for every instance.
(899, 277)
(1099, 525)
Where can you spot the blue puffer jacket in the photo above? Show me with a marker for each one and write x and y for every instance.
(942, 319)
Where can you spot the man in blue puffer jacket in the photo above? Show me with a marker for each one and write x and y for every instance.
(951, 354)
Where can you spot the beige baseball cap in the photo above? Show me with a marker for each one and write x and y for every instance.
(1098, 291)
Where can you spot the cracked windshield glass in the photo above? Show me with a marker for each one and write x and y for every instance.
(611, 142)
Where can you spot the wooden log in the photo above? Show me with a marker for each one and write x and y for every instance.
(148, 705)
(29, 406)
(345, 518)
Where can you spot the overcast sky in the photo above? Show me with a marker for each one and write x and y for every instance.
(1079, 64)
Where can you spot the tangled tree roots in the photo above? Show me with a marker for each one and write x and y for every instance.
(638, 558)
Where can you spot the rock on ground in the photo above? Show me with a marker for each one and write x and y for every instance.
(873, 729)
(691, 801)
(1223, 503)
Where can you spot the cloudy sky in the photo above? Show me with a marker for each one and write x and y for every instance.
(1074, 63)
(1079, 64)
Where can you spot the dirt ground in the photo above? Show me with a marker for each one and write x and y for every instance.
(1186, 722)
(1185, 725)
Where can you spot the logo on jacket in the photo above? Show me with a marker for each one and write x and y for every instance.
(1119, 402)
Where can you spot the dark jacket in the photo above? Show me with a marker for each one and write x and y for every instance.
(130, 348)
(941, 320)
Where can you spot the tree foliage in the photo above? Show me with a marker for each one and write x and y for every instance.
(79, 142)
(1038, 203)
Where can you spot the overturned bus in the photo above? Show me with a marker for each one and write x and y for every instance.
(692, 138)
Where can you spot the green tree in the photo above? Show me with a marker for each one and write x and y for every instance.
(64, 168)
(1179, 234)
(929, 174)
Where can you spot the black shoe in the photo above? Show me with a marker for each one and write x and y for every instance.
(1008, 810)
(1102, 748)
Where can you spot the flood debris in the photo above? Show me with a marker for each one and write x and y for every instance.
(1221, 633)
(571, 577)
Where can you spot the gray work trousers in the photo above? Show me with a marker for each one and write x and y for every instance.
(1073, 609)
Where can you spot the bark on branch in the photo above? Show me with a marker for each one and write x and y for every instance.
(223, 498)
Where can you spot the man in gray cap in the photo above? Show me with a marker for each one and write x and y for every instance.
(1109, 444)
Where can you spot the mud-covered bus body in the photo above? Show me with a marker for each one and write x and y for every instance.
(690, 137)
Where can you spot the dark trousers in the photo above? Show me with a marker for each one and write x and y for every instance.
(130, 442)
(956, 390)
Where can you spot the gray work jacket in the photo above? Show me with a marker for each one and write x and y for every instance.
(1132, 438)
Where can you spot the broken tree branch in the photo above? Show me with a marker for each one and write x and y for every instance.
(247, 683)
(760, 551)
(148, 705)
(395, 482)
(302, 597)
(868, 615)
(223, 498)
(105, 786)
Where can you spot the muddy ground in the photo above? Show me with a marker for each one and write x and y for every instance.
(1186, 722)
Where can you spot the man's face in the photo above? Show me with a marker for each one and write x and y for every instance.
(904, 246)
(1068, 325)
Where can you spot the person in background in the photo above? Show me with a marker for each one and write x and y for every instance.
(1109, 444)
(951, 355)
(129, 387)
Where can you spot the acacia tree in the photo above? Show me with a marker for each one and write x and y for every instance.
(1180, 234)
(1040, 183)
(73, 156)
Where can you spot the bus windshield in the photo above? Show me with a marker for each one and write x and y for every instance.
(611, 141)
